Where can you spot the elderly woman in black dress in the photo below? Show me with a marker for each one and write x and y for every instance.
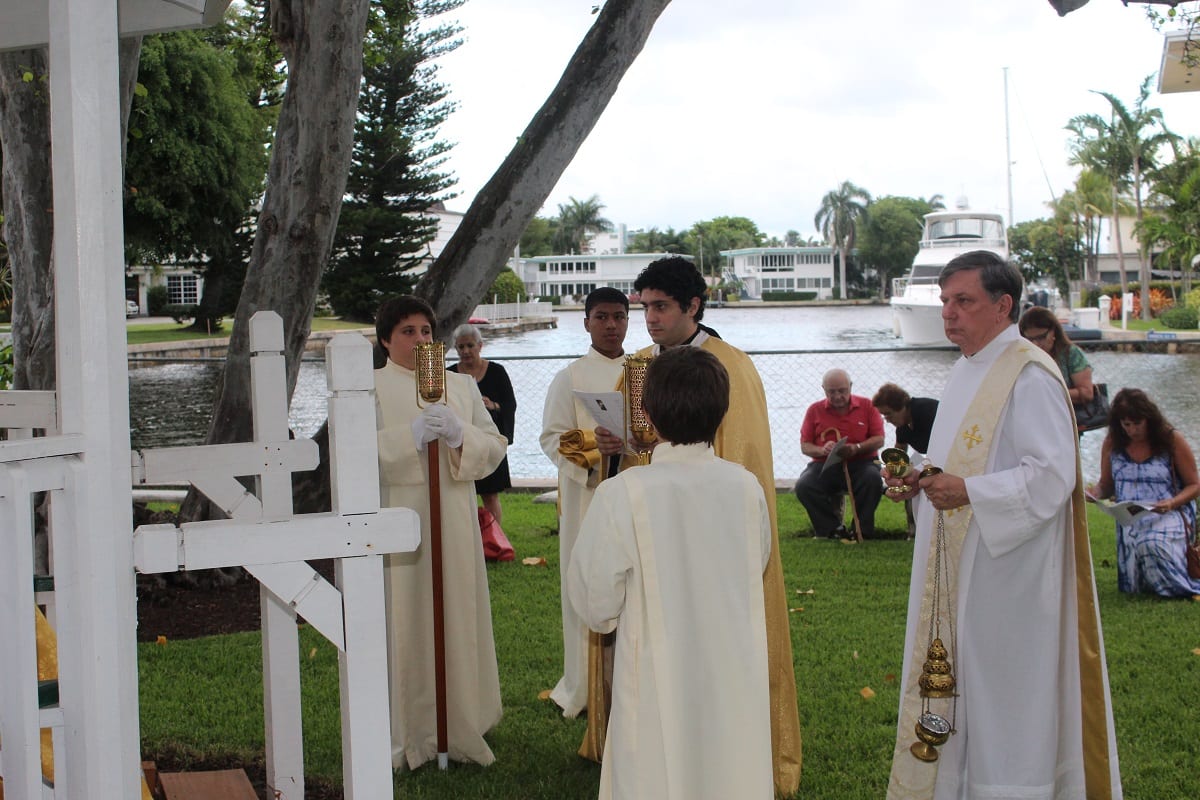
(498, 399)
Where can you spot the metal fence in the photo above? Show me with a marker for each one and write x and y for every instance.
(791, 378)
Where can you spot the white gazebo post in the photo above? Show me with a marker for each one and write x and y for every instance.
(85, 461)
(96, 601)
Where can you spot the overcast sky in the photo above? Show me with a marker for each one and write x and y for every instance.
(759, 108)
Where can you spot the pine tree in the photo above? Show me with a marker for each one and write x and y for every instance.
(395, 176)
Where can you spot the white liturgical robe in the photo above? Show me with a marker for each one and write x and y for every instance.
(594, 372)
(1019, 724)
(672, 555)
(472, 677)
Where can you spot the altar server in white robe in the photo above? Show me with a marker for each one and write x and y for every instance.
(470, 448)
(1033, 717)
(672, 555)
(606, 320)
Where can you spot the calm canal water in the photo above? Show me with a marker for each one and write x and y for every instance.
(171, 404)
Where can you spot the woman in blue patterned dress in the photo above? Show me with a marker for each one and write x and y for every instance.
(1147, 461)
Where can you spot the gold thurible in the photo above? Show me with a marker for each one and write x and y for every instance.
(641, 432)
(937, 681)
(431, 372)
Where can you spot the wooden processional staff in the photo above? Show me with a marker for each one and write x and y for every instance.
(431, 388)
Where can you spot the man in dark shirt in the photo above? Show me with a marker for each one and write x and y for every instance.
(840, 415)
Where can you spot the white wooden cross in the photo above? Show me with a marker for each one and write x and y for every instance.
(273, 545)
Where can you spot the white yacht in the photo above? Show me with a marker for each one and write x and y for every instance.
(916, 300)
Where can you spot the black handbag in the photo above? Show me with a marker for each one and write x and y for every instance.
(1093, 415)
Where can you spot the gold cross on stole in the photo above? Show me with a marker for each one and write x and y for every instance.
(972, 437)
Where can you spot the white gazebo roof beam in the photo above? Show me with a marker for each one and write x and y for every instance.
(26, 23)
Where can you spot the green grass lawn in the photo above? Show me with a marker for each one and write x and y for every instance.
(151, 333)
(848, 614)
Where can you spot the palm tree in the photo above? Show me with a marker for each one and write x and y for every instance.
(576, 220)
(1088, 204)
(1175, 192)
(1123, 148)
(938, 203)
(841, 211)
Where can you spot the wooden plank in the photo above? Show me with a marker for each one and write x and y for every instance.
(178, 464)
(225, 784)
(67, 444)
(28, 409)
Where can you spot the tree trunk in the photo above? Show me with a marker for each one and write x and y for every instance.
(493, 224)
(322, 41)
(842, 271)
(1143, 255)
(29, 202)
(1116, 225)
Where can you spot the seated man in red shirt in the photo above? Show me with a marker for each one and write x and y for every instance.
(840, 414)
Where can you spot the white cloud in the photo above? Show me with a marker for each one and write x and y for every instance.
(758, 109)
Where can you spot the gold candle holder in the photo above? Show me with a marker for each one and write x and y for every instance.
(641, 433)
(431, 372)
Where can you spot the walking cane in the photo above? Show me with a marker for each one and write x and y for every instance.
(853, 505)
(836, 457)
(431, 385)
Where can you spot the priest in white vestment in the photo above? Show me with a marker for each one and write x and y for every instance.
(606, 320)
(672, 555)
(1032, 718)
(470, 447)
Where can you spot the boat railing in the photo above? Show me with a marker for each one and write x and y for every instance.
(900, 286)
(958, 242)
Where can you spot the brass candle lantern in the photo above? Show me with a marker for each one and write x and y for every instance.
(431, 372)
(641, 433)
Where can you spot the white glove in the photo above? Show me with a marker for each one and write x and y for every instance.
(422, 433)
(440, 422)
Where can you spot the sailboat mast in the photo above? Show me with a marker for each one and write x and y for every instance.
(1008, 151)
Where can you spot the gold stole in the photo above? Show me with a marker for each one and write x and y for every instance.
(911, 777)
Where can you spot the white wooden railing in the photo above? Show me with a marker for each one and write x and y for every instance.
(511, 312)
(261, 534)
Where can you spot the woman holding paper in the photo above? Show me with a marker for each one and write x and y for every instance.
(1146, 461)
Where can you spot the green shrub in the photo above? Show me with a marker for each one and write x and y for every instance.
(789, 295)
(180, 312)
(156, 300)
(6, 366)
(507, 288)
(1192, 298)
(1180, 317)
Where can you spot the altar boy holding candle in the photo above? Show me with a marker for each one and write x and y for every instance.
(671, 555)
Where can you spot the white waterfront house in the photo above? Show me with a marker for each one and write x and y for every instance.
(574, 276)
(184, 282)
(782, 269)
